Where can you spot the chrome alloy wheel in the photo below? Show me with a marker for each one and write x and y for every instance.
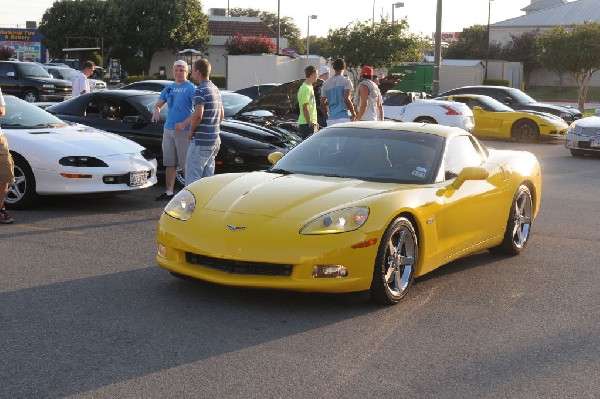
(521, 219)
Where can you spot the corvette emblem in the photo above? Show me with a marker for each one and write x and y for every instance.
(236, 228)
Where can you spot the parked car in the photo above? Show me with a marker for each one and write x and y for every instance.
(358, 206)
(244, 146)
(412, 107)
(583, 136)
(52, 157)
(494, 119)
(29, 81)
(234, 105)
(69, 62)
(517, 100)
(70, 74)
(256, 90)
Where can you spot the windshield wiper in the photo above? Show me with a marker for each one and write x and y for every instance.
(280, 171)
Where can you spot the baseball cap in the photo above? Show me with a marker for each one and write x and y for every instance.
(323, 70)
(366, 71)
(181, 63)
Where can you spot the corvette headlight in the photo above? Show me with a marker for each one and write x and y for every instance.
(340, 221)
(181, 206)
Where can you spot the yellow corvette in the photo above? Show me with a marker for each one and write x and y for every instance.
(357, 206)
(494, 119)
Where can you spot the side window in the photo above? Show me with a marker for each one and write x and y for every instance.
(110, 110)
(461, 152)
(126, 109)
(5, 68)
(93, 108)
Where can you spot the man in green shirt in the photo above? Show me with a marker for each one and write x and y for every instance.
(307, 121)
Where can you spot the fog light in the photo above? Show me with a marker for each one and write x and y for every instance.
(162, 250)
(329, 271)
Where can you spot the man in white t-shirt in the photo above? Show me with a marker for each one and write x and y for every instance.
(81, 85)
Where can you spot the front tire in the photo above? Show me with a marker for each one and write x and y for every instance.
(21, 194)
(518, 226)
(525, 131)
(31, 95)
(396, 261)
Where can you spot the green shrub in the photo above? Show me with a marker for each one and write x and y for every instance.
(496, 82)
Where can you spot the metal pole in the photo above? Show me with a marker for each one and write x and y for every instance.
(373, 23)
(278, 25)
(393, 8)
(488, 39)
(308, 37)
(438, 50)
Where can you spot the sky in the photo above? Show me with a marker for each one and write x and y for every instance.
(331, 14)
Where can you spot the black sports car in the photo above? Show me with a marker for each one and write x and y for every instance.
(263, 113)
(244, 146)
(517, 100)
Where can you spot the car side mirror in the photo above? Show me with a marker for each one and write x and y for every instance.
(508, 100)
(477, 109)
(274, 157)
(134, 119)
(470, 173)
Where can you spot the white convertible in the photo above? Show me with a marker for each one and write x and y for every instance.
(52, 157)
(412, 107)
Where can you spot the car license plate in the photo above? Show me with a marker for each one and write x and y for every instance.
(138, 178)
(595, 143)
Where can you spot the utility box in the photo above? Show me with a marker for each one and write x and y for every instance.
(418, 77)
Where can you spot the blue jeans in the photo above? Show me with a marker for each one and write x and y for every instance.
(200, 161)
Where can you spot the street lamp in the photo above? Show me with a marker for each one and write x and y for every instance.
(488, 38)
(308, 34)
(394, 6)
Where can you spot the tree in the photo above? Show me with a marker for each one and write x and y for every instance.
(473, 45)
(288, 28)
(149, 26)
(522, 48)
(575, 51)
(76, 20)
(378, 45)
(6, 53)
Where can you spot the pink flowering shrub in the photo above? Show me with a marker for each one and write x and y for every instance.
(238, 45)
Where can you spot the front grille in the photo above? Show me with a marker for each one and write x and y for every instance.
(590, 131)
(239, 267)
(583, 144)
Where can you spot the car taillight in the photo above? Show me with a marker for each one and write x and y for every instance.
(450, 110)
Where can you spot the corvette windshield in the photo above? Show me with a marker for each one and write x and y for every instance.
(522, 97)
(23, 115)
(367, 154)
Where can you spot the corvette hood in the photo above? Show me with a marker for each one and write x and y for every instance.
(75, 140)
(287, 196)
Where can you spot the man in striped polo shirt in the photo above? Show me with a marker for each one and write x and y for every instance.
(204, 124)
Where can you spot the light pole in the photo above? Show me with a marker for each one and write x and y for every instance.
(437, 58)
(278, 27)
(488, 38)
(308, 34)
(394, 6)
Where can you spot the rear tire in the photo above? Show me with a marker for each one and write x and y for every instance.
(425, 119)
(21, 194)
(395, 264)
(525, 131)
